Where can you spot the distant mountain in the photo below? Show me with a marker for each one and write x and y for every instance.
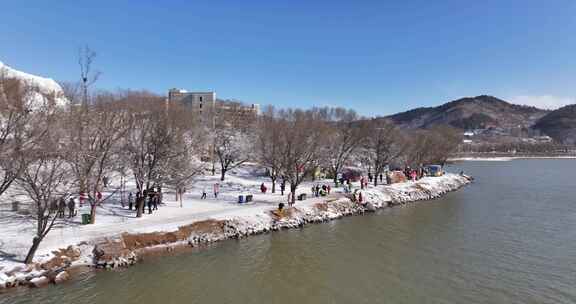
(559, 124)
(478, 112)
(42, 86)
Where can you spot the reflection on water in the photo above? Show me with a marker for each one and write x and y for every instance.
(508, 238)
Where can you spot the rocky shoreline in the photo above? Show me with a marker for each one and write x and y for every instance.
(126, 249)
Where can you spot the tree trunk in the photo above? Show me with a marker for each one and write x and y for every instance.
(223, 174)
(93, 213)
(140, 206)
(273, 184)
(32, 251)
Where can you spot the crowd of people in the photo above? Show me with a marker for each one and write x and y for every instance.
(150, 198)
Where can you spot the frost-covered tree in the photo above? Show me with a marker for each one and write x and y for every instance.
(232, 148)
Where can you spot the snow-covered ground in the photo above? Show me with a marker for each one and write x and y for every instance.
(112, 219)
(45, 86)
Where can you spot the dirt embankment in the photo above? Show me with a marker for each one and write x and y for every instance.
(125, 249)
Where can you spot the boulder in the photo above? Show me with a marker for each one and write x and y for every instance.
(39, 281)
(61, 277)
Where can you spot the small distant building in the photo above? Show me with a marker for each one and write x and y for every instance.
(213, 110)
(197, 100)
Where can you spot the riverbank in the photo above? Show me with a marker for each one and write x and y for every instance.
(122, 246)
(496, 158)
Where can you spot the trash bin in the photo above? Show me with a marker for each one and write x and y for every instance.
(249, 198)
(240, 199)
(85, 219)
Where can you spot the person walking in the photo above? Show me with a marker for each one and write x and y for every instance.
(61, 207)
(150, 198)
(71, 207)
(130, 201)
(263, 188)
(53, 206)
(155, 200)
(203, 193)
(282, 187)
(216, 190)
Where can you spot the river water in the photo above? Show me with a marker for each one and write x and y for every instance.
(508, 238)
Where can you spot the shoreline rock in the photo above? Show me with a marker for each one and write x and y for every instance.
(127, 249)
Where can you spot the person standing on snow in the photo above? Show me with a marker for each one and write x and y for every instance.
(61, 207)
(203, 193)
(216, 190)
(282, 187)
(155, 199)
(150, 198)
(263, 188)
(130, 201)
(71, 207)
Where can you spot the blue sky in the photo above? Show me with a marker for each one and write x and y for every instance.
(378, 57)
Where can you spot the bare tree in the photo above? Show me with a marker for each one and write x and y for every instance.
(15, 114)
(299, 145)
(268, 144)
(344, 137)
(45, 174)
(444, 143)
(382, 146)
(153, 139)
(88, 77)
(94, 132)
(232, 148)
(182, 169)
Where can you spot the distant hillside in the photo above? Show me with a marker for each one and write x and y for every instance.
(478, 112)
(43, 86)
(559, 124)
